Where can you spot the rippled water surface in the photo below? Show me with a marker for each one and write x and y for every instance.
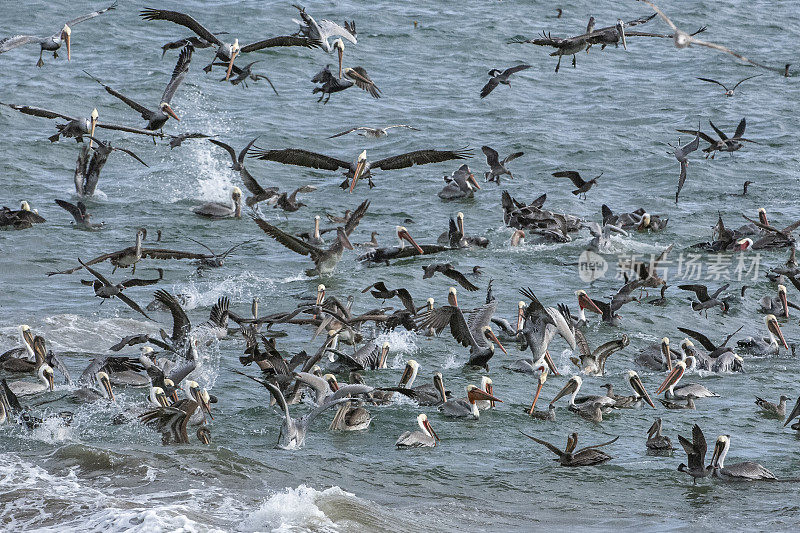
(613, 113)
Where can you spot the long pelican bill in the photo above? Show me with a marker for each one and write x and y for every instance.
(430, 430)
(92, 125)
(361, 163)
(407, 373)
(520, 315)
(205, 405)
(471, 179)
(666, 353)
(68, 41)
(570, 387)
(320, 294)
(384, 353)
(672, 378)
(638, 387)
(489, 333)
(403, 233)
(775, 328)
(477, 394)
(102, 377)
(621, 30)
(234, 53)
(542, 378)
(584, 302)
(793, 414)
(340, 51)
(550, 363)
(169, 111)
(782, 296)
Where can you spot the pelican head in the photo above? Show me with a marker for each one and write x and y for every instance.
(199, 395)
(361, 165)
(489, 334)
(782, 297)
(518, 237)
(105, 386)
(572, 386)
(488, 387)
(460, 221)
(167, 109)
(775, 329)
(338, 45)
(720, 451)
(762, 216)
(320, 294)
(645, 223)
(24, 205)
(384, 353)
(66, 34)
(404, 235)
(621, 31)
(521, 306)
(638, 388)
(236, 194)
(27, 339)
(429, 301)
(333, 383)
(452, 297)
(584, 302)
(146, 356)
(173, 391)
(674, 376)
(743, 244)
(158, 397)
(204, 435)
(47, 376)
(409, 373)
(475, 394)
(234, 52)
(425, 426)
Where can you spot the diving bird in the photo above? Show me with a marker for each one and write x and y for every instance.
(325, 260)
(681, 153)
(539, 325)
(497, 167)
(724, 144)
(356, 76)
(259, 194)
(426, 437)
(53, 42)
(87, 168)
(324, 29)
(222, 210)
(80, 215)
(587, 456)
(226, 52)
(461, 184)
(158, 117)
(374, 133)
(103, 288)
(746, 471)
(728, 92)
(582, 185)
(695, 454)
(361, 167)
(498, 77)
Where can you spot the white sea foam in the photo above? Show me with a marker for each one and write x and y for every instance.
(295, 510)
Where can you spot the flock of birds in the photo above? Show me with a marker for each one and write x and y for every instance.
(349, 346)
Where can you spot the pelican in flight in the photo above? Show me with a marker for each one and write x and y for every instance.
(427, 437)
(684, 391)
(747, 471)
(226, 52)
(361, 167)
(53, 42)
(373, 133)
(352, 76)
(157, 118)
(324, 29)
(325, 260)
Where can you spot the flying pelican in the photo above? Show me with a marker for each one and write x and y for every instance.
(467, 407)
(655, 440)
(588, 456)
(593, 363)
(352, 76)
(500, 76)
(682, 392)
(695, 453)
(293, 431)
(374, 133)
(325, 261)
(223, 210)
(427, 437)
(156, 119)
(360, 167)
(683, 39)
(52, 43)
(448, 270)
(747, 471)
(768, 345)
(103, 288)
(476, 333)
(539, 325)
(324, 29)
(226, 52)
(728, 92)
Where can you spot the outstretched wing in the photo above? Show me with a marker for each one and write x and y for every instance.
(91, 15)
(421, 157)
(178, 73)
(283, 40)
(573, 176)
(180, 18)
(492, 157)
(302, 158)
(290, 241)
(9, 43)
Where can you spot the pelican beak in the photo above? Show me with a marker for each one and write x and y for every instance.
(490, 390)
(50, 381)
(162, 399)
(234, 53)
(68, 42)
(174, 395)
(168, 110)
(360, 165)
(205, 406)
(636, 385)
(407, 373)
(340, 51)
(474, 182)
(320, 295)
(621, 31)
(584, 302)
(404, 234)
(107, 386)
(520, 316)
(536, 397)
(782, 296)
(475, 395)
(672, 378)
(384, 353)
(569, 388)
(550, 364)
(92, 125)
(460, 220)
(203, 437)
(490, 334)
(667, 354)
(773, 326)
(762, 216)
(431, 431)
(28, 336)
(718, 447)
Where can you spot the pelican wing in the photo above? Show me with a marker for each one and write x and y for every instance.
(283, 40)
(39, 112)
(731, 52)
(545, 443)
(290, 241)
(180, 18)
(180, 322)
(91, 15)
(330, 29)
(228, 148)
(699, 337)
(363, 81)
(700, 290)
(178, 73)
(490, 86)
(133, 305)
(459, 278)
(302, 158)
(355, 217)
(561, 325)
(253, 186)
(9, 43)
(421, 157)
(128, 129)
(480, 318)
(73, 210)
(95, 273)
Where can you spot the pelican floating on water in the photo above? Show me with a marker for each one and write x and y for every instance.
(747, 471)
(427, 437)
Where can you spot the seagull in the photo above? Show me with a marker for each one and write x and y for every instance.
(374, 133)
(728, 92)
(582, 185)
(498, 168)
(80, 215)
(499, 77)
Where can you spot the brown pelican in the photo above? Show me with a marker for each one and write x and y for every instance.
(670, 404)
(476, 334)
(550, 414)
(795, 412)
(497, 167)
(156, 119)
(728, 92)
(324, 29)
(77, 127)
(371, 356)
(681, 153)
(22, 218)
(768, 345)
(171, 422)
(593, 363)
(629, 402)
(384, 255)
(52, 43)
(427, 437)
(778, 305)
(24, 359)
(103, 288)
(448, 270)
(657, 441)
(706, 301)
(589, 407)
(681, 39)
(461, 184)
(325, 261)
(246, 73)
(724, 144)
(588, 456)
(356, 76)
(601, 236)
(226, 52)
(293, 431)
(682, 392)
(222, 210)
(374, 133)
(775, 410)
(87, 169)
(288, 201)
(351, 418)
(98, 388)
(28, 388)
(623, 296)
(467, 407)
(80, 215)
(121, 371)
(582, 185)
(500, 76)
(747, 471)
(695, 453)
(539, 325)
(486, 386)
(360, 167)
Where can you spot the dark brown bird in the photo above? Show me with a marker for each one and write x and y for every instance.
(448, 270)
(588, 456)
(582, 185)
(498, 77)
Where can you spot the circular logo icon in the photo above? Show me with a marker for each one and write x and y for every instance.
(591, 266)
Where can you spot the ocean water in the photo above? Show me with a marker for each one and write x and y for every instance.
(613, 113)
